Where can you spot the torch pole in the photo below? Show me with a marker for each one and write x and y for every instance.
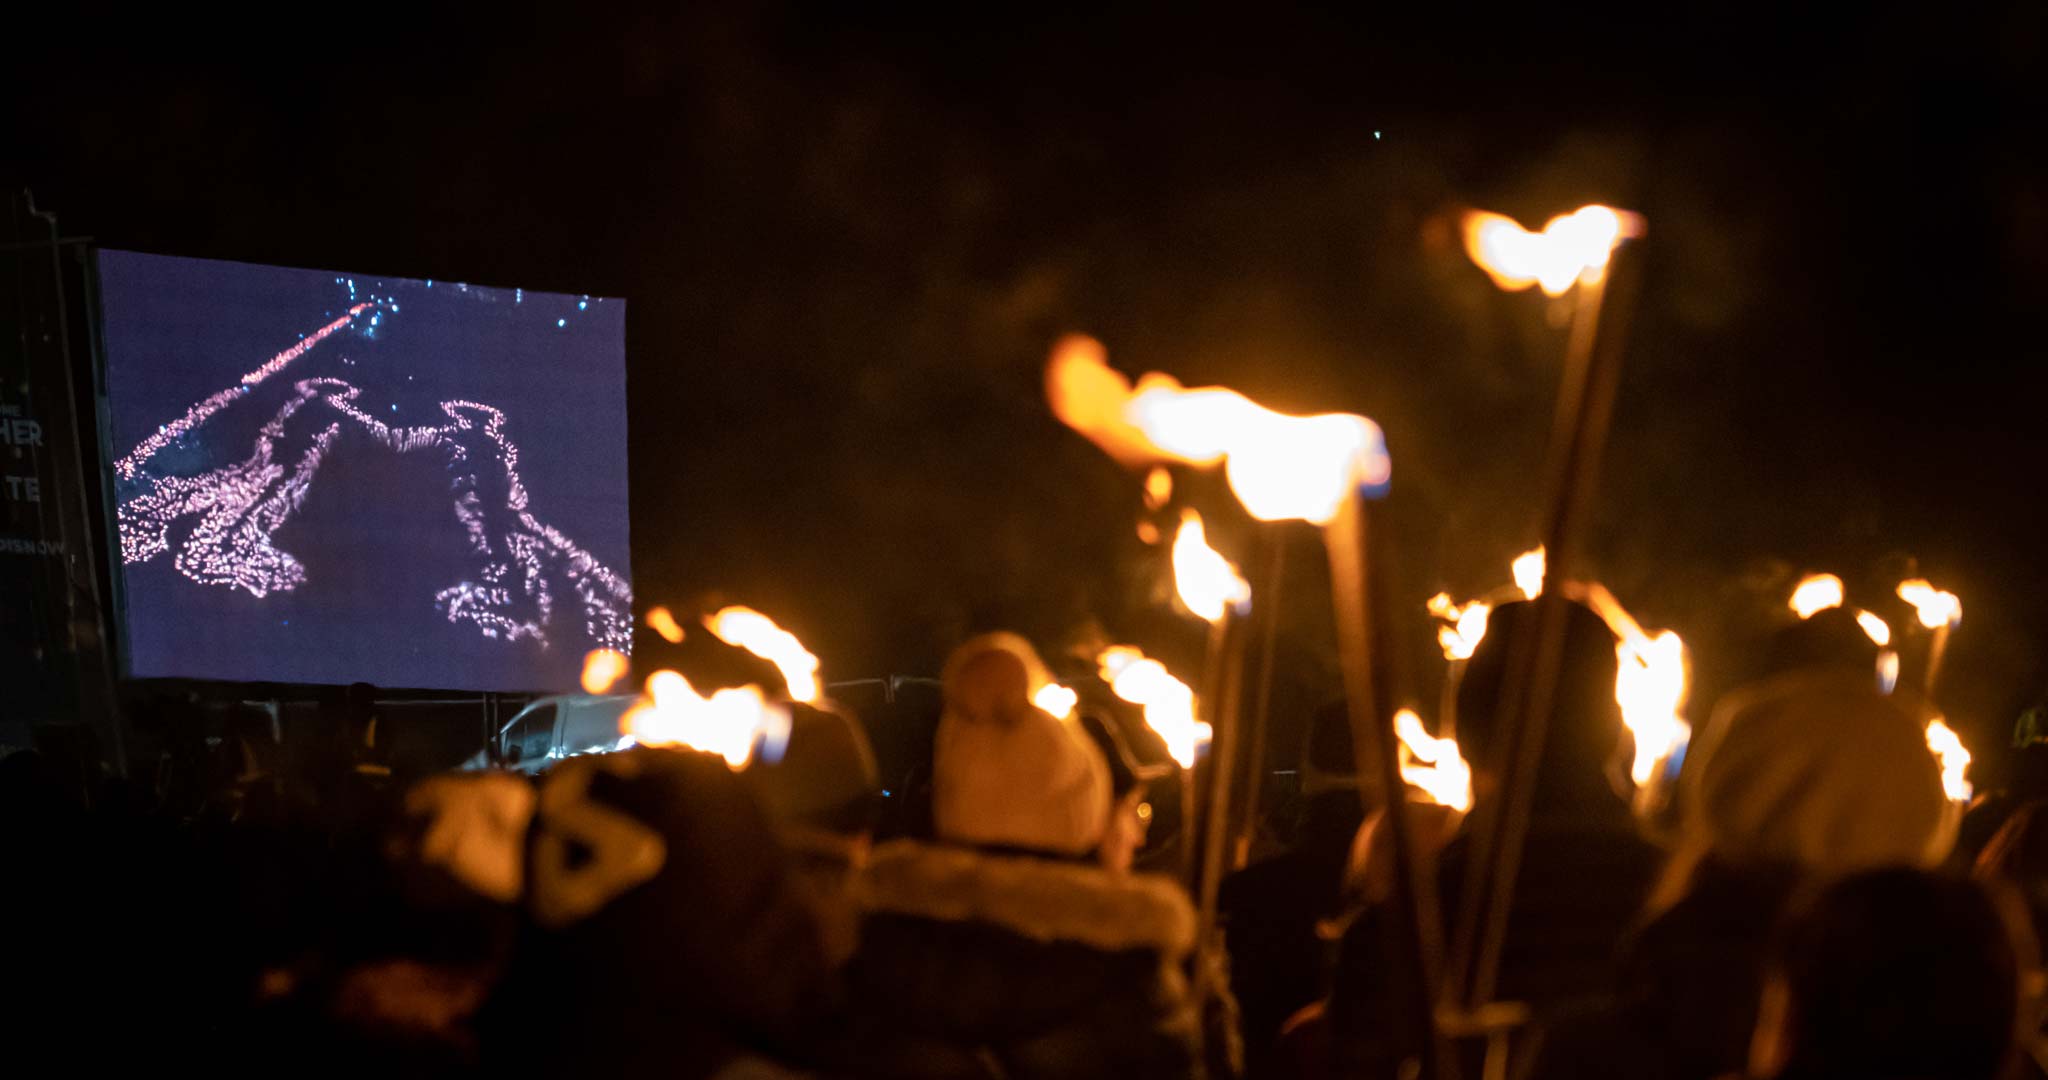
(1936, 651)
(1262, 700)
(1193, 813)
(1222, 770)
(1447, 700)
(1414, 928)
(1585, 405)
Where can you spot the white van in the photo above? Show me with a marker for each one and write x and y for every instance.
(553, 728)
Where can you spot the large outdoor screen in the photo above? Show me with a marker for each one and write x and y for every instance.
(333, 478)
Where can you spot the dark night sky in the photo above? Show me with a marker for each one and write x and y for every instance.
(848, 238)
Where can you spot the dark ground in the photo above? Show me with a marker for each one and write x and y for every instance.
(847, 239)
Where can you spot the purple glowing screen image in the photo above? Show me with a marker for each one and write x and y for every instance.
(324, 477)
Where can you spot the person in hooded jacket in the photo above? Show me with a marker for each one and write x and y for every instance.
(1894, 974)
(1010, 946)
(665, 931)
(1796, 780)
(1584, 874)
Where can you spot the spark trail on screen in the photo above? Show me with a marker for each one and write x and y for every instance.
(217, 491)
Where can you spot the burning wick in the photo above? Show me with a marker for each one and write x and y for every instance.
(602, 669)
(1529, 568)
(663, 622)
(1940, 612)
(757, 633)
(1465, 625)
(1168, 702)
(1207, 582)
(1433, 765)
(1650, 687)
(1935, 607)
(1572, 249)
(1055, 700)
(1280, 467)
(728, 723)
(1955, 759)
(1816, 593)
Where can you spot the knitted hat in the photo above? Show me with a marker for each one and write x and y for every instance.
(1006, 773)
(1821, 770)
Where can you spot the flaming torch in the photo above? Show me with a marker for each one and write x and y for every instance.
(1573, 249)
(602, 670)
(1169, 703)
(662, 621)
(1212, 588)
(748, 629)
(1955, 759)
(1207, 582)
(1815, 593)
(1940, 612)
(728, 723)
(1316, 469)
(1433, 765)
(1055, 700)
(1650, 687)
(1460, 628)
(1529, 569)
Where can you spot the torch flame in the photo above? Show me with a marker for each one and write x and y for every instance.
(728, 723)
(1207, 582)
(1529, 568)
(1879, 631)
(1572, 248)
(1432, 764)
(1465, 626)
(1955, 759)
(1650, 687)
(1281, 467)
(1816, 593)
(663, 622)
(1935, 607)
(1169, 703)
(602, 669)
(1056, 700)
(757, 633)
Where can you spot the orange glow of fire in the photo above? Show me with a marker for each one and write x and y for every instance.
(1650, 686)
(1816, 593)
(1879, 631)
(757, 633)
(1431, 764)
(1168, 702)
(1464, 626)
(728, 723)
(1529, 568)
(1955, 759)
(1207, 582)
(1573, 248)
(602, 669)
(1158, 488)
(1280, 467)
(1056, 700)
(1089, 396)
(663, 622)
(1935, 607)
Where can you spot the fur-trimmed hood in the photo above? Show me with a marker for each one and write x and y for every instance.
(1040, 899)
